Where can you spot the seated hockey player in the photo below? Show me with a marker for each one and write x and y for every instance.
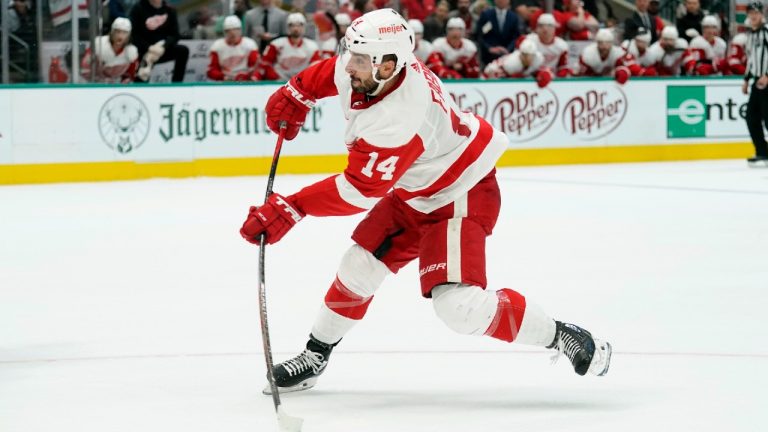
(454, 56)
(604, 58)
(638, 47)
(424, 47)
(286, 56)
(114, 59)
(525, 62)
(667, 54)
(706, 53)
(553, 48)
(737, 55)
(329, 46)
(426, 170)
(233, 57)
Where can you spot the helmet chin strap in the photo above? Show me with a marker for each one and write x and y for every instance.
(381, 82)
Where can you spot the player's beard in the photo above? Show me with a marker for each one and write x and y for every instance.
(363, 86)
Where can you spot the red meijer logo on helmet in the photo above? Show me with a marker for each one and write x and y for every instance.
(594, 114)
(391, 29)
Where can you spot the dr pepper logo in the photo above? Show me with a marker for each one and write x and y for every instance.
(595, 113)
(526, 114)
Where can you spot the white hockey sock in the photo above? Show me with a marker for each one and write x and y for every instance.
(537, 327)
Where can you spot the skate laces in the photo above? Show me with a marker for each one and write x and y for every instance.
(566, 344)
(305, 360)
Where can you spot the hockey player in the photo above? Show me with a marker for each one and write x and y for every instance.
(286, 56)
(454, 56)
(426, 171)
(329, 46)
(424, 47)
(114, 58)
(706, 53)
(233, 57)
(604, 58)
(553, 48)
(638, 47)
(668, 52)
(524, 62)
(737, 55)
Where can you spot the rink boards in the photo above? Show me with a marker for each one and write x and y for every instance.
(85, 133)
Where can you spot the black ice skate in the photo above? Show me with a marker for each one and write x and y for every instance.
(585, 353)
(758, 162)
(301, 372)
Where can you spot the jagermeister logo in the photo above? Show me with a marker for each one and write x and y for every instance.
(201, 123)
(124, 122)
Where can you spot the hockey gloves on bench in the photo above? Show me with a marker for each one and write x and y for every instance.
(275, 219)
(289, 104)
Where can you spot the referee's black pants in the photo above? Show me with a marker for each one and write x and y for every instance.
(757, 114)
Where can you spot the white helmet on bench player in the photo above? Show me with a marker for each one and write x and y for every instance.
(379, 33)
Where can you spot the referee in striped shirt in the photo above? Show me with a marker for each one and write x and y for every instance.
(757, 73)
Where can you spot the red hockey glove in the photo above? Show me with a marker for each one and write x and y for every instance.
(705, 69)
(543, 77)
(622, 74)
(275, 219)
(650, 71)
(288, 104)
(564, 73)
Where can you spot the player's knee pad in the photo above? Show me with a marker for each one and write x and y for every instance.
(361, 272)
(465, 309)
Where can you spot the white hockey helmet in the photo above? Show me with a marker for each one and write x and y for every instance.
(342, 19)
(670, 32)
(546, 19)
(232, 22)
(643, 35)
(379, 33)
(605, 35)
(710, 21)
(740, 39)
(417, 26)
(296, 18)
(121, 23)
(456, 23)
(527, 47)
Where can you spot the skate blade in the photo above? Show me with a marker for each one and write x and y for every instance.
(758, 164)
(602, 358)
(306, 385)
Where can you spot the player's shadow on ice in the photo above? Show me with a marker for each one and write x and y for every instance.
(508, 399)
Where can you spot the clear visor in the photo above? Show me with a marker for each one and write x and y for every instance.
(353, 62)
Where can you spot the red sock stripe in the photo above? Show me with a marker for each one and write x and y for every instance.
(509, 316)
(346, 303)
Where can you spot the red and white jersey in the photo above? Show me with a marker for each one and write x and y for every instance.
(466, 51)
(737, 54)
(668, 64)
(423, 50)
(510, 65)
(284, 58)
(111, 66)
(61, 10)
(644, 58)
(230, 60)
(706, 50)
(555, 53)
(327, 49)
(411, 139)
(593, 65)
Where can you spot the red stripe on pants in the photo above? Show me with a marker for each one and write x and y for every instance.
(346, 303)
(509, 316)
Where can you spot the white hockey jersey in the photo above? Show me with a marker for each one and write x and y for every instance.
(592, 65)
(668, 64)
(61, 10)
(463, 54)
(111, 67)
(283, 58)
(555, 54)
(328, 48)
(713, 51)
(644, 58)
(411, 139)
(423, 50)
(231, 60)
(510, 65)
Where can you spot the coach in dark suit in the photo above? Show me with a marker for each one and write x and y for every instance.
(497, 30)
(640, 18)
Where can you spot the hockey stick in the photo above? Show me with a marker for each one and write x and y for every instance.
(285, 422)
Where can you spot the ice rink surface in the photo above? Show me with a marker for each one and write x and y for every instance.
(132, 306)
